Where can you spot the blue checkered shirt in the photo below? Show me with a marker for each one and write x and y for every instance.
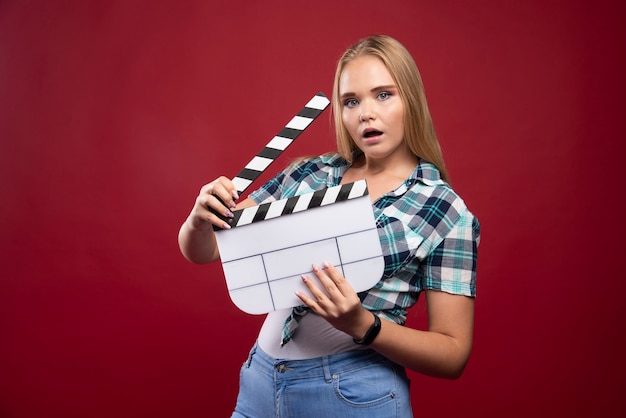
(428, 236)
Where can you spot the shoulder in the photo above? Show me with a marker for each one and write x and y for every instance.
(426, 188)
(310, 165)
(301, 176)
(312, 173)
(432, 204)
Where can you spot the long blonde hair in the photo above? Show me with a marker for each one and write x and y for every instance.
(419, 132)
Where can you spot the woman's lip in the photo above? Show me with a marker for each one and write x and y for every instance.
(371, 139)
(368, 130)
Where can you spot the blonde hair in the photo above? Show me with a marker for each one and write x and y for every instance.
(419, 132)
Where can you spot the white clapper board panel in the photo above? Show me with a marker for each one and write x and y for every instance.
(270, 246)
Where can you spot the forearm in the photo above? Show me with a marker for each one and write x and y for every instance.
(196, 237)
(198, 245)
(442, 351)
(427, 352)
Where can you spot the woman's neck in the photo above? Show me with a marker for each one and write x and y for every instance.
(399, 164)
(382, 176)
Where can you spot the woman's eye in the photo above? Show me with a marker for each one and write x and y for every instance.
(350, 103)
(384, 95)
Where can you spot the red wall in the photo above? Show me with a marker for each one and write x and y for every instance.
(113, 114)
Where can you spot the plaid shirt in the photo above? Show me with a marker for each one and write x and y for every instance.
(428, 236)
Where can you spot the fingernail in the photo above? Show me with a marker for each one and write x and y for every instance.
(225, 226)
(315, 268)
(326, 264)
(304, 279)
(229, 214)
(232, 204)
(235, 195)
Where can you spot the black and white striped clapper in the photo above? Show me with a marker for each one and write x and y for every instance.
(281, 141)
(299, 203)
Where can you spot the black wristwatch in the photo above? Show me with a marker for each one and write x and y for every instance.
(371, 333)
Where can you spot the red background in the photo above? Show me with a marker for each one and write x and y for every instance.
(113, 114)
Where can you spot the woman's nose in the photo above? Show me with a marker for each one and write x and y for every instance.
(367, 112)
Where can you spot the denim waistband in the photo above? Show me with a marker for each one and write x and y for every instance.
(324, 366)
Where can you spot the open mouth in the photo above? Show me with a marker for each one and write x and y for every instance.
(370, 134)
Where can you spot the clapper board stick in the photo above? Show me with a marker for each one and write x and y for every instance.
(299, 203)
(276, 146)
(281, 141)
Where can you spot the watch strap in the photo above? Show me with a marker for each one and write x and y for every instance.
(371, 333)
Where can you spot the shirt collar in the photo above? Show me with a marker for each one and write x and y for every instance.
(424, 172)
(334, 160)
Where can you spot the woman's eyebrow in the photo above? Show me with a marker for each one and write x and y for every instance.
(373, 90)
(388, 87)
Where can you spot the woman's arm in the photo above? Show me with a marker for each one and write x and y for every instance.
(442, 351)
(196, 238)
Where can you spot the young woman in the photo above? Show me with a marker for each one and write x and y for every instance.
(334, 356)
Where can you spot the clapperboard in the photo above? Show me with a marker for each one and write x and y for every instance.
(269, 246)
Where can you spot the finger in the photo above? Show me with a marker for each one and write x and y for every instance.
(339, 281)
(215, 205)
(306, 299)
(230, 188)
(318, 297)
(205, 213)
(210, 209)
(332, 280)
(206, 200)
(222, 192)
(218, 197)
(326, 282)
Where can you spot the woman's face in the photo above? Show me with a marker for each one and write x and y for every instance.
(372, 109)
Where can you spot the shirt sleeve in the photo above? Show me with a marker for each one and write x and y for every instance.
(270, 191)
(301, 176)
(451, 266)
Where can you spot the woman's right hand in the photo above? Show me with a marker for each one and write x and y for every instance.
(214, 205)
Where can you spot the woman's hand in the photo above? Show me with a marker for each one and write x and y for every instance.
(213, 207)
(214, 204)
(442, 351)
(336, 301)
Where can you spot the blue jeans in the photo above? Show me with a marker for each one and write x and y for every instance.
(357, 384)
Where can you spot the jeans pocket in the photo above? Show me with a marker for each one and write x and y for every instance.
(374, 384)
(248, 362)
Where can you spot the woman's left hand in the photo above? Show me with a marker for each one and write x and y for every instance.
(336, 301)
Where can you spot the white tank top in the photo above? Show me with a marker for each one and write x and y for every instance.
(314, 337)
